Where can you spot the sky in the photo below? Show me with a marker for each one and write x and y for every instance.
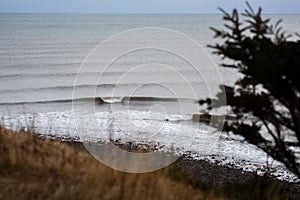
(143, 6)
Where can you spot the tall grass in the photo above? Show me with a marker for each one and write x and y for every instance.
(34, 168)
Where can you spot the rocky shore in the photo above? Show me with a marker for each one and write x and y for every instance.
(215, 175)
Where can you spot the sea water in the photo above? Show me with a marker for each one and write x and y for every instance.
(40, 57)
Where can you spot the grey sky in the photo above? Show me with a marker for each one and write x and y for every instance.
(144, 6)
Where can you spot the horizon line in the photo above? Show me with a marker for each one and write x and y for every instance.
(139, 13)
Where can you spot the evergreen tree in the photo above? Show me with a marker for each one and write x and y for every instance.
(266, 99)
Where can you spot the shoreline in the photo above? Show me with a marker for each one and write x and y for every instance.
(189, 157)
(216, 175)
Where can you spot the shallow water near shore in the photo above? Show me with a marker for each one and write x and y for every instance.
(179, 134)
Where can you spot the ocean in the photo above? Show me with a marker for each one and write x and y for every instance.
(49, 80)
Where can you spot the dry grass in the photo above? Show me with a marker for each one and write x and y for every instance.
(34, 168)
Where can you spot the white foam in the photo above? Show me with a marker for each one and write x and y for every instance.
(112, 100)
(183, 136)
